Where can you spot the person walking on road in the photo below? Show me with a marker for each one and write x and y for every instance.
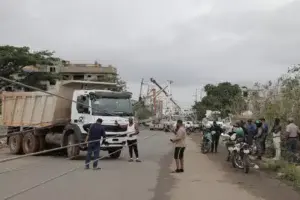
(179, 141)
(276, 132)
(215, 137)
(95, 133)
(133, 131)
(292, 135)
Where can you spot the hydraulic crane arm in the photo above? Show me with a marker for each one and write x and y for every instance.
(164, 91)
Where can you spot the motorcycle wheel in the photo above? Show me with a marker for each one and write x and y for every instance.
(246, 162)
(234, 160)
(205, 147)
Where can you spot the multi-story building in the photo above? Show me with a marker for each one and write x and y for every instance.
(68, 71)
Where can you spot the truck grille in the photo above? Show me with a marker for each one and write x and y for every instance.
(108, 128)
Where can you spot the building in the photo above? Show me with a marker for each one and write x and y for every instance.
(67, 71)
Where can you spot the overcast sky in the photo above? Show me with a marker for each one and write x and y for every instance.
(192, 42)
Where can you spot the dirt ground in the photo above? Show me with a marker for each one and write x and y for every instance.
(210, 176)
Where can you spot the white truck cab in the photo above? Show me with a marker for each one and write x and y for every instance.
(40, 120)
(114, 108)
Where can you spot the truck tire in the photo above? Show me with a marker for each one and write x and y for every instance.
(30, 143)
(115, 153)
(73, 151)
(42, 143)
(15, 144)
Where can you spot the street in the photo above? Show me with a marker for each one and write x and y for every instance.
(206, 176)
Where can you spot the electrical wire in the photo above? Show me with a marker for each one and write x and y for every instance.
(65, 173)
(38, 153)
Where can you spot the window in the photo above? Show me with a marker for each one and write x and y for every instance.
(78, 77)
(52, 69)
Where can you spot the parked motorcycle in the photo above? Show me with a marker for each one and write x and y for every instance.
(238, 152)
(207, 141)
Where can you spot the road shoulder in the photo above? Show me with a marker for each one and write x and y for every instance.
(210, 176)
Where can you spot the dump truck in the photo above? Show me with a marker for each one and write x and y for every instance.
(37, 121)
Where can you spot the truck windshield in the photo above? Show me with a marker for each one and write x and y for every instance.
(112, 107)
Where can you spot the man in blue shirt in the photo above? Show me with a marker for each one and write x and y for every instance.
(251, 129)
(96, 132)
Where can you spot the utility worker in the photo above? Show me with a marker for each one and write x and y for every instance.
(133, 131)
(95, 133)
(215, 137)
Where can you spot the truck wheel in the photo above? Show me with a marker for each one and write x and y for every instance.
(30, 143)
(115, 154)
(15, 144)
(42, 143)
(72, 151)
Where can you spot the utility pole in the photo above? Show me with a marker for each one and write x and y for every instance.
(142, 83)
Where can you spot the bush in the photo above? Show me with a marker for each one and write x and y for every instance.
(285, 171)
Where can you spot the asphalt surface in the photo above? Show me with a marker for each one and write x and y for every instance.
(149, 180)
(117, 180)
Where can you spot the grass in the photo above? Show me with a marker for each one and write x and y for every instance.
(284, 170)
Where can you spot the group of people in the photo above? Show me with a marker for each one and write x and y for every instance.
(96, 132)
(259, 131)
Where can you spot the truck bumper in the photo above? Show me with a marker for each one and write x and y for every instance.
(110, 142)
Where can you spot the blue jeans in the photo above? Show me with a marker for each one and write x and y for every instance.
(93, 148)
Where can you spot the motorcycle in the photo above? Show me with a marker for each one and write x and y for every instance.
(238, 152)
(207, 141)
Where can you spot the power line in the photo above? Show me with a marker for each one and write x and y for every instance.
(63, 174)
(42, 152)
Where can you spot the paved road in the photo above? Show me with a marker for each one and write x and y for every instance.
(119, 179)
(149, 180)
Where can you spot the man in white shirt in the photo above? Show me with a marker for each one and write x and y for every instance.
(133, 131)
(179, 141)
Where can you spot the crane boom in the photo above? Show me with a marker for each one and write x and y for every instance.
(164, 91)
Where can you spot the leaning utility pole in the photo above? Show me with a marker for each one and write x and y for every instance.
(141, 88)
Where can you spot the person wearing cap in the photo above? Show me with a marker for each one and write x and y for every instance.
(179, 141)
(292, 136)
(95, 133)
(133, 131)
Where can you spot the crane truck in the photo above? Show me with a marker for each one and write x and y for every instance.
(38, 121)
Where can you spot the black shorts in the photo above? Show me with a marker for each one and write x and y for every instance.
(179, 152)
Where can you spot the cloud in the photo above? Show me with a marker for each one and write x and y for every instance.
(191, 42)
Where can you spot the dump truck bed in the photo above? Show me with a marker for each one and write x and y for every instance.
(30, 109)
(39, 109)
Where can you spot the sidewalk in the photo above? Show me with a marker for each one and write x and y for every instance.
(203, 179)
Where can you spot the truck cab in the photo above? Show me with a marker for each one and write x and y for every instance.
(114, 108)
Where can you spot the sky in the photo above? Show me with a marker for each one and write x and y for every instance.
(191, 42)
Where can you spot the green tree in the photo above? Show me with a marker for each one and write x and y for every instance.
(224, 97)
(14, 59)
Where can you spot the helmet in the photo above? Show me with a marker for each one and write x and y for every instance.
(239, 131)
(258, 123)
